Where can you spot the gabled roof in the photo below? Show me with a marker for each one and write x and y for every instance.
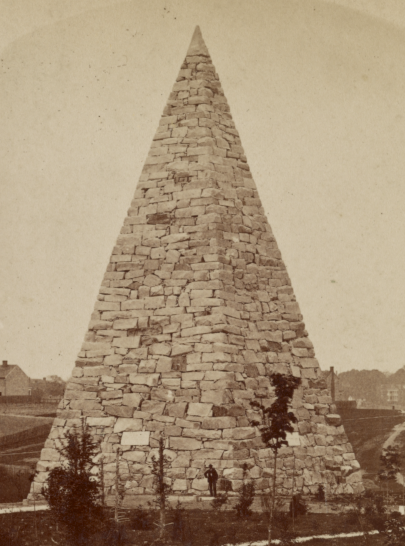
(5, 370)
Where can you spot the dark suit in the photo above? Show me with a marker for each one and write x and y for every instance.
(212, 477)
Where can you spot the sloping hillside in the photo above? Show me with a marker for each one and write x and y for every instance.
(22, 437)
(10, 424)
(367, 430)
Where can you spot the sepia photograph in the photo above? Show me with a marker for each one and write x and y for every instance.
(202, 302)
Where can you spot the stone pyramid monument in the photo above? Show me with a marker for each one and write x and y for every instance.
(194, 313)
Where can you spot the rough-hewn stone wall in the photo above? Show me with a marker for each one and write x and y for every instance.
(196, 309)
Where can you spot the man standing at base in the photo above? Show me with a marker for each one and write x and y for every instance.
(212, 476)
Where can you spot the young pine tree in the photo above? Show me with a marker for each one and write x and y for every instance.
(73, 494)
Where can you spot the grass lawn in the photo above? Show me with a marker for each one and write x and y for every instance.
(29, 409)
(23, 453)
(197, 528)
(22, 449)
(9, 424)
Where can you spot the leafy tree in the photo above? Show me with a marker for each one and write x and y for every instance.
(277, 421)
(43, 388)
(394, 531)
(73, 494)
(391, 464)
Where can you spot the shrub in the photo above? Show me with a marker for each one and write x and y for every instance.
(351, 518)
(113, 533)
(394, 531)
(283, 524)
(368, 509)
(390, 459)
(320, 494)
(181, 530)
(140, 519)
(376, 509)
(219, 501)
(297, 506)
(245, 500)
(179, 523)
(215, 539)
(14, 484)
(9, 537)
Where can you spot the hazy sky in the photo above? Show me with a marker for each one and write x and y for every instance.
(316, 90)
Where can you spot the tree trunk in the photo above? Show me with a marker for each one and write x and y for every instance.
(102, 482)
(273, 500)
(293, 492)
(162, 522)
(117, 485)
(162, 490)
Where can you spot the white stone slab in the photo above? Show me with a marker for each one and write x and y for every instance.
(135, 438)
(293, 439)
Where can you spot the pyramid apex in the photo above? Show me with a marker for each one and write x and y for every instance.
(197, 44)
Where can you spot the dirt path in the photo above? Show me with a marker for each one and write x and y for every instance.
(395, 432)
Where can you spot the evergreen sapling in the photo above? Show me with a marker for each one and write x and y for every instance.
(72, 492)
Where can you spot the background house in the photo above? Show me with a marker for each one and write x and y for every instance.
(13, 381)
(392, 392)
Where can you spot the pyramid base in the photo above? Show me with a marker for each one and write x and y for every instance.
(202, 502)
(286, 486)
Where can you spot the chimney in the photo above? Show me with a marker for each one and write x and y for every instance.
(5, 363)
(332, 384)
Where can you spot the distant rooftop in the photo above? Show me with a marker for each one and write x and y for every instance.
(6, 368)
